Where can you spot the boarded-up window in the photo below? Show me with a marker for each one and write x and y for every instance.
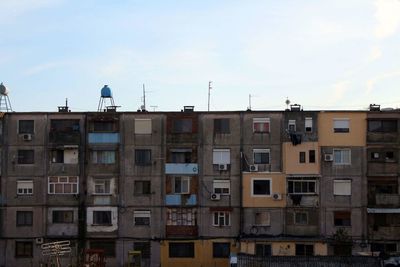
(221, 156)
(143, 126)
(342, 187)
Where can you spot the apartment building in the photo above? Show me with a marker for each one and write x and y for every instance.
(193, 188)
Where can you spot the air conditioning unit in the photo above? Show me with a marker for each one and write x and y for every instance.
(254, 168)
(328, 157)
(276, 196)
(215, 196)
(222, 167)
(39, 240)
(27, 137)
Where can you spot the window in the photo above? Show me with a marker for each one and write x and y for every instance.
(182, 126)
(144, 248)
(102, 217)
(25, 126)
(181, 155)
(181, 250)
(102, 186)
(292, 125)
(261, 187)
(221, 218)
(304, 250)
(103, 126)
(103, 157)
(383, 126)
(181, 216)
(301, 218)
(143, 126)
(23, 249)
(222, 187)
(302, 186)
(262, 218)
(143, 157)
(302, 157)
(308, 125)
(181, 184)
(342, 218)
(342, 187)
(311, 156)
(341, 156)
(221, 126)
(261, 156)
(389, 156)
(63, 185)
(25, 187)
(63, 216)
(64, 126)
(221, 156)
(67, 156)
(261, 125)
(26, 157)
(341, 125)
(221, 250)
(24, 218)
(142, 188)
(106, 245)
(141, 217)
(263, 250)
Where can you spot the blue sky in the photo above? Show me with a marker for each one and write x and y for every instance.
(341, 54)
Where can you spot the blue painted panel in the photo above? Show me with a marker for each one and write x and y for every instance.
(104, 138)
(182, 168)
(173, 199)
(191, 200)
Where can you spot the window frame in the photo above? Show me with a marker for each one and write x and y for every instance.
(142, 187)
(183, 180)
(27, 248)
(261, 179)
(300, 218)
(143, 129)
(221, 156)
(24, 218)
(102, 182)
(23, 188)
(302, 157)
(261, 125)
(30, 131)
(221, 250)
(143, 157)
(25, 159)
(222, 184)
(222, 126)
(336, 183)
(305, 249)
(143, 216)
(99, 157)
(63, 215)
(222, 218)
(103, 219)
(307, 180)
(260, 159)
(339, 125)
(343, 216)
(182, 125)
(291, 125)
(181, 250)
(53, 185)
(308, 124)
(342, 157)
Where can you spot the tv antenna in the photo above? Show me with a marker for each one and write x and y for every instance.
(154, 107)
(209, 90)
(249, 107)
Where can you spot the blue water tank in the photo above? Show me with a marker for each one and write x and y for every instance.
(106, 91)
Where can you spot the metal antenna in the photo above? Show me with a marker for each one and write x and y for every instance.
(154, 107)
(249, 108)
(209, 90)
(144, 99)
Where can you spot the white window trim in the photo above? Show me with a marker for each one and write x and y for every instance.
(308, 123)
(220, 215)
(103, 180)
(219, 160)
(222, 182)
(262, 179)
(183, 178)
(54, 193)
(341, 163)
(24, 185)
(343, 181)
(262, 120)
(141, 214)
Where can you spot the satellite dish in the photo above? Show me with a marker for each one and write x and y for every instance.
(3, 89)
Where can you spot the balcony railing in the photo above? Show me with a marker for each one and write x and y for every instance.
(294, 200)
(384, 200)
(180, 200)
(182, 168)
(103, 138)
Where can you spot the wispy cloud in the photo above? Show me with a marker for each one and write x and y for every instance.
(371, 83)
(44, 67)
(388, 18)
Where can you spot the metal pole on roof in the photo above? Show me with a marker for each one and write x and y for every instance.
(209, 90)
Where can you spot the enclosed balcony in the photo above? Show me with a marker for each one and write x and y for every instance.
(182, 168)
(103, 138)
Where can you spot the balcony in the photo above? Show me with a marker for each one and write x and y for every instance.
(103, 138)
(181, 231)
(297, 200)
(67, 138)
(382, 168)
(383, 232)
(376, 137)
(180, 200)
(302, 230)
(182, 168)
(384, 200)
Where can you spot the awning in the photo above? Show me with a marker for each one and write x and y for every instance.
(371, 210)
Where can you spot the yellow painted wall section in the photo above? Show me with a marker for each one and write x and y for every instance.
(321, 249)
(278, 186)
(203, 254)
(283, 249)
(291, 158)
(355, 137)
